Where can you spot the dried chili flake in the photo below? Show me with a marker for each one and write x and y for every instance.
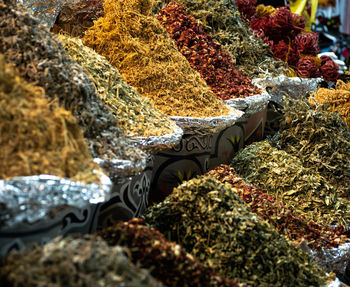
(220, 19)
(134, 41)
(206, 56)
(294, 227)
(215, 225)
(168, 261)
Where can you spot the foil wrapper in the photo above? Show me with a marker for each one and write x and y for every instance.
(282, 86)
(46, 10)
(31, 198)
(250, 105)
(193, 125)
(334, 259)
(157, 143)
(120, 168)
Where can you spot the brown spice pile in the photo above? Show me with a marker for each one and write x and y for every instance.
(40, 58)
(38, 137)
(136, 43)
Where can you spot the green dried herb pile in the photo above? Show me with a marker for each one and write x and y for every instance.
(294, 227)
(134, 41)
(37, 137)
(285, 178)
(216, 226)
(320, 139)
(40, 58)
(135, 114)
(168, 261)
(221, 19)
(78, 262)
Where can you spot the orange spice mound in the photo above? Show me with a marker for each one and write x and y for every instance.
(133, 40)
(339, 98)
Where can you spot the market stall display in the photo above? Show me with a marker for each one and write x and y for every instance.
(133, 40)
(285, 178)
(320, 139)
(338, 99)
(174, 266)
(211, 222)
(85, 261)
(40, 58)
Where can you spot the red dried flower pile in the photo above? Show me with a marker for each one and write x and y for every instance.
(284, 32)
(206, 56)
(283, 219)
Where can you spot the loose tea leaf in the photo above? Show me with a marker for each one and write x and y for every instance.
(285, 178)
(134, 114)
(221, 20)
(320, 139)
(339, 98)
(86, 261)
(37, 137)
(296, 228)
(40, 58)
(168, 261)
(214, 224)
(136, 43)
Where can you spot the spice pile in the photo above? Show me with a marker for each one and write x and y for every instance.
(134, 114)
(206, 56)
(221, 20)
(214, 224)
(285, 34)
(40, 58)
(320, 139)
(168, 262)
(136, 43)
(75, 262)
(338, 98)
(294, 227)
(38, 137)
(301, 189)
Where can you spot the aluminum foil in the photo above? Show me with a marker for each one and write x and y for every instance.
(250, 105)
(155, 143)
(46, 10)
(334, 259)
(282, 86)
(120, 168)
(30, 198)
(192, 125)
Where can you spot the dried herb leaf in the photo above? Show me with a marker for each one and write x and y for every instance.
(285, 178)
(133, 40)
(37, 137)
(134, 114)
(214, 224)
(76, 262)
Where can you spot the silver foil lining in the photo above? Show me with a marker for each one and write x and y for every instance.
(282, 86)
(193, 125)
(31, 198)
(120, 168)
(166, 141)
(334, 259)
(45, 10)
(250, 105)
